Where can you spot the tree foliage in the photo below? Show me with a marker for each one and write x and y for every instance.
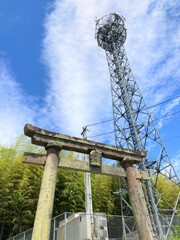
(168, 191)
(19, 187)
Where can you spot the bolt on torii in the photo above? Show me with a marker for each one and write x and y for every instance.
(54, 143)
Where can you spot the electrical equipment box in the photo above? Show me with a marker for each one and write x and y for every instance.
(100, 227)
(75, 227)
(81, 226)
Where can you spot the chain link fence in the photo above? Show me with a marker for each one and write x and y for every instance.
(73, 226)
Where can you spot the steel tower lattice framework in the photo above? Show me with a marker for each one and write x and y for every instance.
(133, 124)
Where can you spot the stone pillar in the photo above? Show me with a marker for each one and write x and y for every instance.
(137, 204)
(42, 224)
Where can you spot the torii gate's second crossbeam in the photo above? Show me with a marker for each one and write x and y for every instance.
(54, 142)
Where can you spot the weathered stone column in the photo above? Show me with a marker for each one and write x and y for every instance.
(42, 224)
(137, 204)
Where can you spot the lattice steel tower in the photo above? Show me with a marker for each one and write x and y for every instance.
(133, 124)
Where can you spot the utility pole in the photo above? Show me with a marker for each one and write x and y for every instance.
(87, 181)
(88, 194)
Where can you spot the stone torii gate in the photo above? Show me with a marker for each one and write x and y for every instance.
(54, 143)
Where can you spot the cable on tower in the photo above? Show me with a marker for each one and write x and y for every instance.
(155, 105)
(157, 119)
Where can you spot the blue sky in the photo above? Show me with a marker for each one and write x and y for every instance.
(53, 74)
(21, 32)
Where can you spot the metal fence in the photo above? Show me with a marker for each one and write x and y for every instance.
(67, 225)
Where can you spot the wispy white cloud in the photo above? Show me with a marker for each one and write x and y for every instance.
(79, 86)
(153, 48)
(17, 107)
(15, 111)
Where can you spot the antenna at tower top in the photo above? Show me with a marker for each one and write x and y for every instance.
(110, 31)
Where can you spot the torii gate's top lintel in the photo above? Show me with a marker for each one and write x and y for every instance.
(43, 137)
